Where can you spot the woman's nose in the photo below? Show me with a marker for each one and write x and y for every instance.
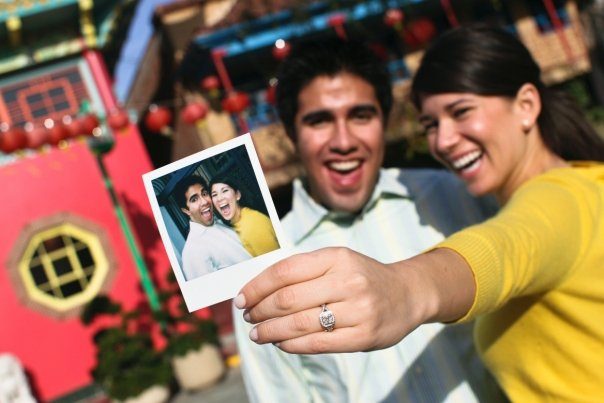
(446, 136)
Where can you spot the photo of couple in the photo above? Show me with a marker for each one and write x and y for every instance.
(214, 213)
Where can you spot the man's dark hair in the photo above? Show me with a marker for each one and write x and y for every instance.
(330, 57)
(180, 190)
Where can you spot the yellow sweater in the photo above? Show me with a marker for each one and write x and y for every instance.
(256, 232)
(539, 272)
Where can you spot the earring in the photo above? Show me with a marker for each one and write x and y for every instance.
(526, 125)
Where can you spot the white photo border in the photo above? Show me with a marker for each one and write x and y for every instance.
(223, 284)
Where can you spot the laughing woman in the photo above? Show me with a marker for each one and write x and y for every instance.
(255, 229)
(531, 276)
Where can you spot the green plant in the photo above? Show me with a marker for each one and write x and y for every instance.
(127, 361)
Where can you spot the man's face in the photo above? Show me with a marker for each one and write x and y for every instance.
(339, 130)
(199, 205)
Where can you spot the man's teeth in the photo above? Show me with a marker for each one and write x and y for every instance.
(466, 160)
(343, 166)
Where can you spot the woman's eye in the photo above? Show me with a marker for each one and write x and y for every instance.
(461, 112)
(430, 128)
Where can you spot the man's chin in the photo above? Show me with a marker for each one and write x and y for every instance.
(346, 202)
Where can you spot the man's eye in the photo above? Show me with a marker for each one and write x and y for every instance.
(363, 116)
(204, 194)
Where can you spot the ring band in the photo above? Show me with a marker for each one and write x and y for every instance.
(327, 319)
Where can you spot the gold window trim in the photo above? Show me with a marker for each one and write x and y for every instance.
(92, 236)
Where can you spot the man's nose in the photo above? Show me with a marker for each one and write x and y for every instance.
(342, 140)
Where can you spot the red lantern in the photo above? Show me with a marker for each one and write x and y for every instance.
(394, 18)
(419, 32)
(73, 126)
(271, 94)
(158, 118)
(281, 49)
(336, 21)
(118, 119)
(236, 102)
(88, 123)
(37, 136)
(210, 83)
(12, 140)
(193, 112)
(56, 131)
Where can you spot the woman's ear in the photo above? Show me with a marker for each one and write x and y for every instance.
(238, 195)
(528, 102)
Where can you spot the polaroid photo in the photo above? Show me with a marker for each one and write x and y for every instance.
(217, 220)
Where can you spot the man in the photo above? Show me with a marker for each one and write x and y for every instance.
(210, 245)
(333, 99)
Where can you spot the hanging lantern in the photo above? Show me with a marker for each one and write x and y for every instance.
(56, 131)
(236, 102)
(37, 136)
(336, 21)
(118, 119)
(158, 118)
(271, 94)
(419, 32)
(12, 140)
(193, 112)
(73, 126)
(210, 83)
(281, 49)
(394, 18)
(89, 123)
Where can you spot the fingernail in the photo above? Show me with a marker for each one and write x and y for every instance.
(254, 334)
(246, 316)
(239, 301)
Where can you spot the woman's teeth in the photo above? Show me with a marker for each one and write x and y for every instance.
(344, 166)
(466, 160)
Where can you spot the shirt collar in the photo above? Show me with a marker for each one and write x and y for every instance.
(308, 214)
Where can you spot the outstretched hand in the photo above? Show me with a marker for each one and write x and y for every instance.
(375, 305)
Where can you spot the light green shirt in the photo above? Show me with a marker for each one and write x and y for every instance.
(408, 212)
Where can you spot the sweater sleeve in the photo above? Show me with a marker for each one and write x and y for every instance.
(531, 246)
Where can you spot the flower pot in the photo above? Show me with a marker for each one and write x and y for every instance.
(154, 394)
(200, 368)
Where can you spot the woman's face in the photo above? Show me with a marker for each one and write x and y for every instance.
(226, 201)
(482, 139)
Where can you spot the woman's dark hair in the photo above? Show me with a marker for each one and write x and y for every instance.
(489, 61)
(329, 57)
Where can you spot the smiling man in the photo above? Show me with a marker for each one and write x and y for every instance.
(210, 245)
(334, 98)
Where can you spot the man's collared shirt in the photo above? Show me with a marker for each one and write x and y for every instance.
(208, 249)
(408, 212)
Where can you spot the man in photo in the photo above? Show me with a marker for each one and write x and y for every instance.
(210, 245)
(334, 98)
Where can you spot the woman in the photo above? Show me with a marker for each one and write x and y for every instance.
(532, 275)
(255, 229)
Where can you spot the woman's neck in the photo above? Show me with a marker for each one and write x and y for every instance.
(538, 160)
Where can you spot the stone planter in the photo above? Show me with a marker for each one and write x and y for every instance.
(200, 368)
(154, 394)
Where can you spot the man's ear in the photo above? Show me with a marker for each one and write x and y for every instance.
(186, 211)
(528, 101)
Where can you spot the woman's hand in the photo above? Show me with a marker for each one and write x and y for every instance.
(375, 305)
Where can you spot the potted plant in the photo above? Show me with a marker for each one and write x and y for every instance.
(129, 367)
(191, 341)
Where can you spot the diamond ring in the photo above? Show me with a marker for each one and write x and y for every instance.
(327, 319)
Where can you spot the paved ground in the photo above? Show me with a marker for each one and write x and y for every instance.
(229, 390)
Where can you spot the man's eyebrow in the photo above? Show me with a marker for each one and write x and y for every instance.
(316, 115)
(364, 108)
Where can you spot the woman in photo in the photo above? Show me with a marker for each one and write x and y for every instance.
(255, 229)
